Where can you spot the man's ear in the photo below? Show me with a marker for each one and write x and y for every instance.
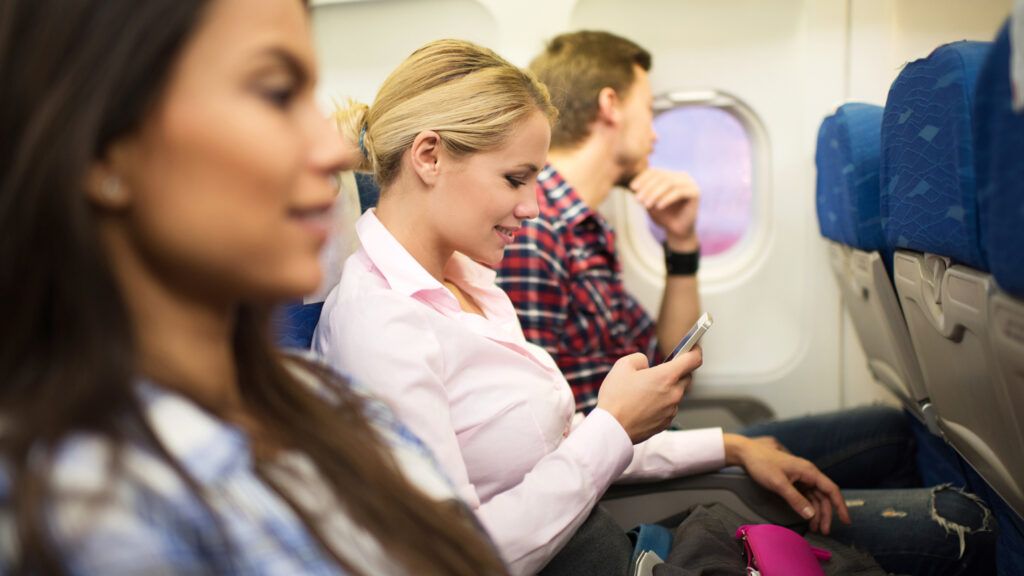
(425, 155)
(609, 106)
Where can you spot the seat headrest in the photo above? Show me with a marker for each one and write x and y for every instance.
(999, 159)
(927, 173)
(847, 159)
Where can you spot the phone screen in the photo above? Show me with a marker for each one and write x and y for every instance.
(688, 341)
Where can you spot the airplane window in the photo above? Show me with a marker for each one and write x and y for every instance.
(713, 146)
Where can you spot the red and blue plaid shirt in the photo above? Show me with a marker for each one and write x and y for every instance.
(564, 278)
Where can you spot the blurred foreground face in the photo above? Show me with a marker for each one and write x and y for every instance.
(230, 178)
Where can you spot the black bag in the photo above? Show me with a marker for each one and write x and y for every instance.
(705, 545)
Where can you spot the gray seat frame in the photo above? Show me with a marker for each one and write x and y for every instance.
(874, 307)
(969, 339)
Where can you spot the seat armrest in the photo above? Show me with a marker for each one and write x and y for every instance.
(651, 502)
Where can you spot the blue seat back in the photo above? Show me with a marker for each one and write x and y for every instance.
(928, 189)
(369, 192)
(294, 324)
(999, 159)
(847, 158)
(829, 190)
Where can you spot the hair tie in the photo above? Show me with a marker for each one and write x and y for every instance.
(362, 146)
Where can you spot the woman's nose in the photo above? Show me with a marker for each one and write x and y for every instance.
(527, 209)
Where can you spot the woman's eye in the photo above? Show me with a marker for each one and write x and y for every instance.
(280, 97)
(515, 182)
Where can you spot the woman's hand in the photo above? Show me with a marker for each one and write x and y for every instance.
(807, 490)
(645, 400)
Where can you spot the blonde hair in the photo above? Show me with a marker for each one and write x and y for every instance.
(469, 95)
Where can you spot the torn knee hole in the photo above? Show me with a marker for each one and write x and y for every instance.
(959, 512)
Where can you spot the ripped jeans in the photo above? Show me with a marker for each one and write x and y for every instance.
(869, 453)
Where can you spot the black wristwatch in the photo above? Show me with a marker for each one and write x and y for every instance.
(681, 263)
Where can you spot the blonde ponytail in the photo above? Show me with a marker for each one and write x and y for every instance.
(351, 122)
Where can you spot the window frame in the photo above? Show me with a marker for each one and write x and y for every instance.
(739, 260)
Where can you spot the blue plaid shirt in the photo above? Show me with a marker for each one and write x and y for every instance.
(152, 523)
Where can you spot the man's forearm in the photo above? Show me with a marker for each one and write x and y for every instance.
(680, 308)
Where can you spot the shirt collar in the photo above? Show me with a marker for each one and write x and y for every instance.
(464, 268)
(403, 273)
(563, 197)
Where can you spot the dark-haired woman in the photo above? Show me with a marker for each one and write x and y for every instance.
(164, 180)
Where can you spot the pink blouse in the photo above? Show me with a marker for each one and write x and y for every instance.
(493, 407)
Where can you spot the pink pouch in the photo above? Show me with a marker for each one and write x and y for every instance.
(778, 551)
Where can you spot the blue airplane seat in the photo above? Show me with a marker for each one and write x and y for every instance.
(849, 145)
(294, 324)
(369, 192)
(848, 161)
(928, 180)
(1000, 170)
(959, 321)
(829, 186)
(999, 133)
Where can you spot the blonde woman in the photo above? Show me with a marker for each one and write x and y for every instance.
(455, 138)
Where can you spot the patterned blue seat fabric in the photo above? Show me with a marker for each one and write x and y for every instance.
(829, 189)
(999, 153)
(294, 324)
(369, 192)
(847, 158)
(928, 190)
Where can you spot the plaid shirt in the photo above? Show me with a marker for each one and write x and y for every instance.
(152, 523)
(565, 280)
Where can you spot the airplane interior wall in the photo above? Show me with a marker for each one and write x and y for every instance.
(781, 67)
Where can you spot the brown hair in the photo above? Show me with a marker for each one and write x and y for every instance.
(576, 66)
(77, 77)
(469, 95)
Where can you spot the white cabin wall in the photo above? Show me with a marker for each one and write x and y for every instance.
(359, 43)
(888, 34)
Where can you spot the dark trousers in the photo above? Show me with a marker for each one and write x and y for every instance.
(599, 548)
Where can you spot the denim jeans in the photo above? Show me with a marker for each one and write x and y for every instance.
(909, 529)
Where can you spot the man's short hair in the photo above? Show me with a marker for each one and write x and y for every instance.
(576, 66)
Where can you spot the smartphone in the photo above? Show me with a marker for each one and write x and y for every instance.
(693, 336)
